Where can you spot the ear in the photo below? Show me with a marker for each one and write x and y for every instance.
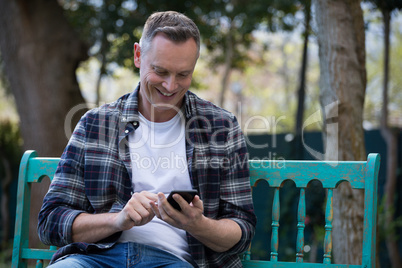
(137, 55)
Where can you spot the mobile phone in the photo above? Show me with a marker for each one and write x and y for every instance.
(188, 195)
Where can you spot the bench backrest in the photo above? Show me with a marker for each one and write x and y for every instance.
(32, 170)
(360, 174)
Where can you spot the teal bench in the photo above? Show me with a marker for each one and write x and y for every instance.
(360, 174)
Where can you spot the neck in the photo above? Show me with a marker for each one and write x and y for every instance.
(156, 114)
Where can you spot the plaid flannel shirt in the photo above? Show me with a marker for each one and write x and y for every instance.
(94, 175)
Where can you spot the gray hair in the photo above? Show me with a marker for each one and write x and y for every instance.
(176, 26)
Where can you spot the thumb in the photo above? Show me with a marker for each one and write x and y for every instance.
(197, 202)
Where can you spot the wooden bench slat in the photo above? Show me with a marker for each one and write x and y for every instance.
(40, 167)
(329, 216)
(330, 173)
(370, 210)
(301, 217)
(275, 226)
(37, 254)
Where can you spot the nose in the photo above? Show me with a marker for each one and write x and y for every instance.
(170, 83)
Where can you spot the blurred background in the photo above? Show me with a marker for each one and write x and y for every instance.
(269, 62)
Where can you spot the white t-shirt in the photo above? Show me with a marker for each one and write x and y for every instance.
(159, 162)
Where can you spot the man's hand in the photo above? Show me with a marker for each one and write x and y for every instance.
(218, 235)
(92, 228)
(137, 211)
(185, 219)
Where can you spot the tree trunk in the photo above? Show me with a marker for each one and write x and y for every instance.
(392, 152)
(303, 69)
(102, 54)
(341, 40)
(301, 93)
(102, 71)
(41, 53)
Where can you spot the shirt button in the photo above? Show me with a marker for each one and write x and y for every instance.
(127, 131)
(135, 123)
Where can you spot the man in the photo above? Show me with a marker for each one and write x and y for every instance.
(107, 203)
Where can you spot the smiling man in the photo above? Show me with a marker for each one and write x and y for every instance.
(107, 205)
(166, 70)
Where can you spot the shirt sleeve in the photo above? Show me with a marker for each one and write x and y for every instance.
(66, 197)
(236, 200)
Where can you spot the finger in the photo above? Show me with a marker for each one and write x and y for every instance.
(144, 197)
(155, 209)
(151, 196)
(136, 218)
(143, 217)
(130, 217)
(139, 203)
(165, 209)
(181, 201)
(197, 202)
(139, 211)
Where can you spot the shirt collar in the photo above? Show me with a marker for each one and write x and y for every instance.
(130, 107)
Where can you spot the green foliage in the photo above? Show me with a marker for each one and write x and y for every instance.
(6, 253)
(111, 27)
(3, 80)
(225, 24)
(10, 140)
(10, 154)
(389, 5)
(375, 75)
(388, 229)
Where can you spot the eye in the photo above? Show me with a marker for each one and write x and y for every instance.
(184, 75)
(160, 72)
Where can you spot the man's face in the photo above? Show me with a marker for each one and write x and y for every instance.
(166, 70)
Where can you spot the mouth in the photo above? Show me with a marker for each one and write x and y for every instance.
(165, 94)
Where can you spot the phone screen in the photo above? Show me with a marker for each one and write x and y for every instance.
(188, 195)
